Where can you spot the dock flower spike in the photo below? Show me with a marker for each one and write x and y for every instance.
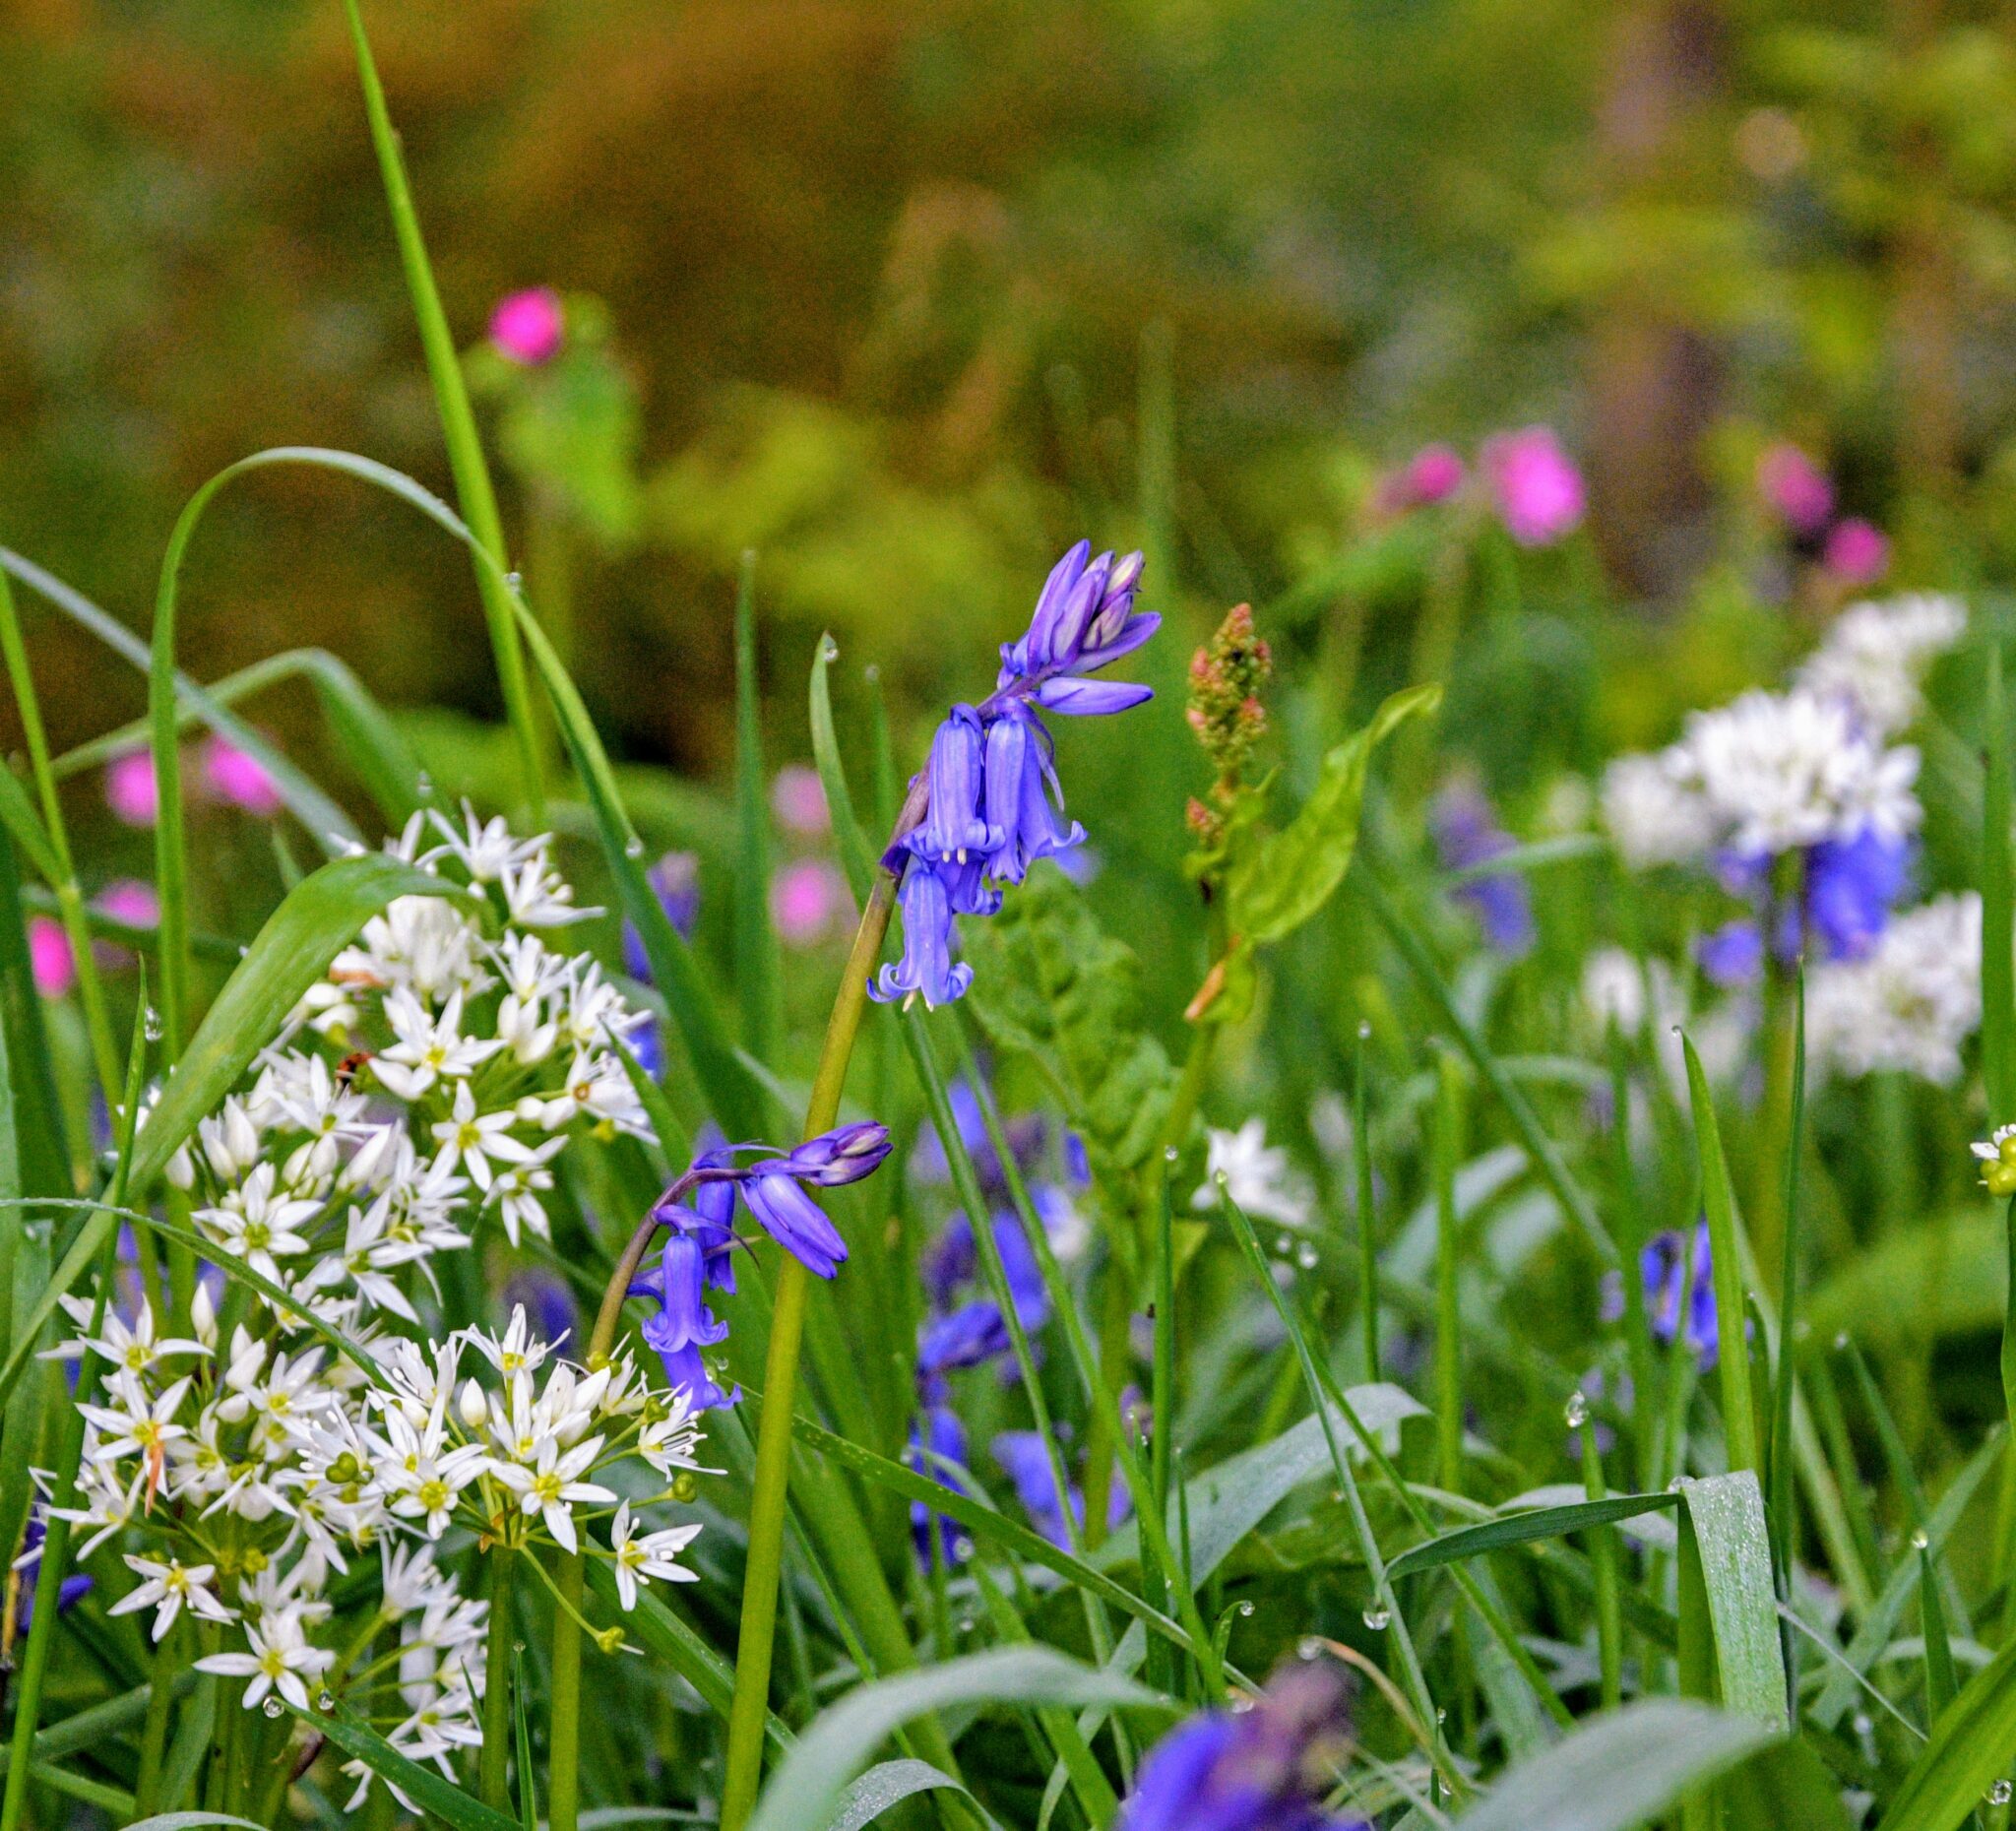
(991, 801)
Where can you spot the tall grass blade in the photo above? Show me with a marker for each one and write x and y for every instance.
(1732, 1364)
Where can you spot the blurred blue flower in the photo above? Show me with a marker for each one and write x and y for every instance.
(1026, 1462)
(1265, 1769)
(675, 881)
(937, 1439)
(1849, 889)
(1466, 833)
(69, 1593)
(1663, 1265)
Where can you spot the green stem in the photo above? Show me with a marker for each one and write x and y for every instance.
(69, 896)
(1448, 1317)
(1368, 1232)
(153, 1733)
(474, 489)
(493, 1765)
(563, 1754)
(768, 1492)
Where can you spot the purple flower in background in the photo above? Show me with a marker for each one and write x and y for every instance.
(49, 958)
(131, 791)
(675, 881)
(1534, 484)
(967, 1337)
(683, 1325)
(1466, 833)
(994, 802)
(1795, 488)
(527, 326)
(1675, 1310)
(1851, 886)
(1026, 1460)
(937, 1439)
(1264, 1769)
(69, 1593)
(1025, 1134)
(1858, 553)
(1733, 955)
(545, 1298)
(238, 777)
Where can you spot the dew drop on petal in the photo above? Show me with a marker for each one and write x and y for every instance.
(1576, 1411)
(1378, 1620)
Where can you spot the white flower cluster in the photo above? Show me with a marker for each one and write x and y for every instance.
(439, 1068)
(1909, 1004)
(1875, 653)
(255, 1475)
(1773, 772)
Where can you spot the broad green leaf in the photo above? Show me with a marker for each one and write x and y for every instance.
(1973, 1745)
(886, 1784)
(807, 1789)
(1723, 1515)
(425, 1785)
(315, 921)
(1784, 1788)
(1049, 979)
(1515, 1528)
(1280, 883)
(1619, 1771)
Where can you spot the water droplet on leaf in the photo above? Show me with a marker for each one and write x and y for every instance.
(1364, 1030)
(828, 650)
(325, 1702)
(515, 580)
(273, 1706)
(1307, 1257)
(1378, 1620)
(1308, 1648)
(633, 847)
(151, 1025)
(1576, 1411)
(1245, 1610)
(2001, 1792)
(1919, 1540)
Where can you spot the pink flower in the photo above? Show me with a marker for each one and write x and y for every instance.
(1795, 488)
(1856, 552)
(1432, 474)
(236, 776)
(126, 899)
(130, 789)
(1536, 484)
(527, 326)
(49, 957)
(805, 898)
(798, 799)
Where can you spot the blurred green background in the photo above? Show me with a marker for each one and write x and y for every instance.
(880, 289)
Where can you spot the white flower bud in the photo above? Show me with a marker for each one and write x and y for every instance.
(472, 1407)
(202, 1315)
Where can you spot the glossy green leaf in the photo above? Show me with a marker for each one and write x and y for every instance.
(1516, 1529)
(808, 1787)
(1280, 883)
(1619, 1771)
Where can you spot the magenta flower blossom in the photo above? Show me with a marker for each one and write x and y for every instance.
(804, 899)
(49, 956)
(1432, 474)
(1534, 484)
(798, 798)
(239, 777)
(527, 326)
(1795, 488)
(131, 791)
(1858, 553)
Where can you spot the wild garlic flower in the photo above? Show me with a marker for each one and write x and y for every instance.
(1875, 653)
(1997, 1158)
(1910, 1003)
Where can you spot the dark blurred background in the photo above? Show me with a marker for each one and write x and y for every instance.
(882, 290)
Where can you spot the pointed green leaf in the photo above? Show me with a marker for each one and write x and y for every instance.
(1973, 1745)
(1515, 1528)
(1725, 1517)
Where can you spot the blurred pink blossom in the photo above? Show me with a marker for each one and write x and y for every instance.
(798, 799)
(1432, 474)
(236, 776)
(527, 326)
(1858, 553)
(806, 898)
(126, 899)
(1796, 488)
(1536, 484)
(130, 790)
(49, 957)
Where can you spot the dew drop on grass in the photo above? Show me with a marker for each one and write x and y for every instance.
(423, 785)
(1919, 1540)
(1576, 1411)
(2001, 1792)
(273, 1706)
(1364, 1030)
(1245, 1610)
(961, 1551)
(1308, 1648)
(1378, 1620)
(1283, 1246)
(633, 847)
(325, 1702)
(828, 650)
(515, 580)
(1307, 1257)
(151, 1025)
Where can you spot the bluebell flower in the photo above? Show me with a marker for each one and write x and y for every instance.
(993, 804)
(683, 1325)
(675, 881)
(1025, 1134)
(546, 1300)
(1466, 833)
(1849, 889)
(937, 1439)
(69, 1593)
(1265, 1769)
(1733, 955)
(1026, 1462)
(1663, 1265)
(967, 1337)
(837, 1157)
(793, 1219)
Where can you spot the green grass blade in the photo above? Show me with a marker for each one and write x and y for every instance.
(1526, 1528)
(438, 1797)
(1968, 1751)
(854, 856)
(756, 956)
(1732, 1364)
(1997, 903)
(883, 1786)
(1941, 1683)
(807, 1788)
(1723, 1521)
(1619, 1770)
(1783, 1522)
(472, 487)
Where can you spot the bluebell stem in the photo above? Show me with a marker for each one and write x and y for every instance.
(993, 804)
(1265, 1769)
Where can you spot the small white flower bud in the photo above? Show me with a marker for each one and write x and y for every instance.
(473, 1408)
(202, 1316)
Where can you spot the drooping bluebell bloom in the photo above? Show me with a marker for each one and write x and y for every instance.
(1265, 1769)
(1664, 1267)
(683, 1325)
(834, 1158)
(954, 1262)
(1466, 833)
(938, 1438)
(966, 1337)
(1026, 1462)
(994, 804)
(675, 881)
(793, 1219)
